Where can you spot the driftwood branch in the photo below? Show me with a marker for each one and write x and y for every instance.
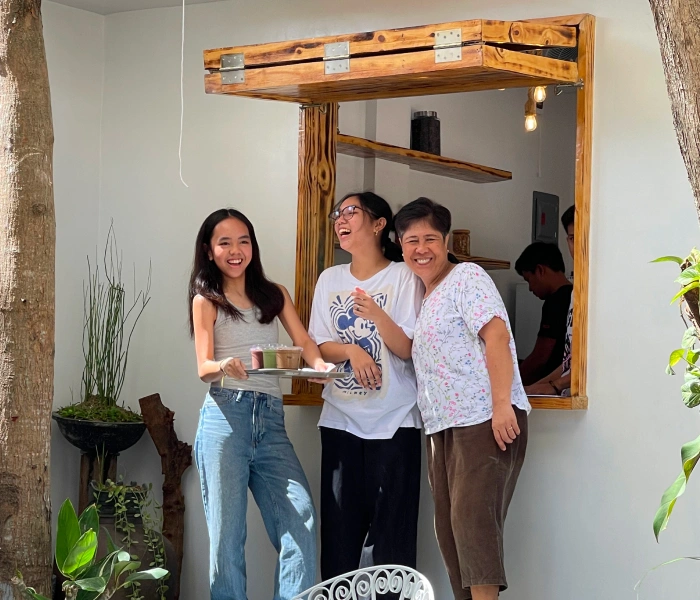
(176, 457)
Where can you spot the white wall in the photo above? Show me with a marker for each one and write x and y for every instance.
(75, 55)
(230, 159)
(580, 523)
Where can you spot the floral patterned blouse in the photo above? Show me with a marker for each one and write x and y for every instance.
(453, 383)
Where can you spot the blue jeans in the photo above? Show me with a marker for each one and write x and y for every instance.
(241, 443)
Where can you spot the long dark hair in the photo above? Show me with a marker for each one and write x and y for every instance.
(207, 281)
(376, 207)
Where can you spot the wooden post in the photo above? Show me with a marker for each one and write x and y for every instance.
(582, 200)
(176, 457)
(318, 130)
(107, 466)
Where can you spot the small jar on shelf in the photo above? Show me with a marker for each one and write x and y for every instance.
(460, 242)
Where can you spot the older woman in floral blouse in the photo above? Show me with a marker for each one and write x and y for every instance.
(472, 401)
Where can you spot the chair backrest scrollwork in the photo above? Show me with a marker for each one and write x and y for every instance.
(373, 583)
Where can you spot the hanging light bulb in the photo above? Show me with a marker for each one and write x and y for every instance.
(530, 122)
(540, 93)
(530, 111)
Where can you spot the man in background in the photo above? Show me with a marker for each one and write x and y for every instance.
(542, 266)
(559, 381)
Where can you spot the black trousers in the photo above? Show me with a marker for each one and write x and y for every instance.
(369, 500)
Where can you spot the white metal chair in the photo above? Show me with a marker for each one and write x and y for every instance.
(372, 583)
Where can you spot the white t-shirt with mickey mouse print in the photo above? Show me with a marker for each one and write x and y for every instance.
(368, 414)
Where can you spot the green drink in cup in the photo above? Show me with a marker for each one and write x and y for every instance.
(270, 356)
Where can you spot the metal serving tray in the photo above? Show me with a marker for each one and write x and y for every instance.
(299, 373)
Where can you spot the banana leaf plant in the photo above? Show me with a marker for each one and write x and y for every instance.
(87, 577)
(688, 354)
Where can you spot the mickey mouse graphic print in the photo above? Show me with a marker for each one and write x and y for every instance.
(356, 330)
(369, 414)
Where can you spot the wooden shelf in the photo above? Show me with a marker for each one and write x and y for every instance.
(537, 402)
(559, 402)
(420, 161)
(302, 400)
(488, 264)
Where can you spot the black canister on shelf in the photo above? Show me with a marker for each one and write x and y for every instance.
(425, 132)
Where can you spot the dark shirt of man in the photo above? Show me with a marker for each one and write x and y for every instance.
(555, 311)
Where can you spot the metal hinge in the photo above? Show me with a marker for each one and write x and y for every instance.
(560, 87)
(448, 45)
(336, 58)
(232, 68)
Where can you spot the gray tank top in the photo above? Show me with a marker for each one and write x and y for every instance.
(235, 338)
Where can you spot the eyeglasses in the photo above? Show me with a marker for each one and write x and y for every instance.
(347, 213)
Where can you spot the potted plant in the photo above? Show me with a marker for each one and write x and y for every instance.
(98, 421)
(86, 576)
(129, 514)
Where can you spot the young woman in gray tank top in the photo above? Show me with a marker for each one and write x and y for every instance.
(241, 441)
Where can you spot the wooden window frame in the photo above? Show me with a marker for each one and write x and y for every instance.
(318, 130)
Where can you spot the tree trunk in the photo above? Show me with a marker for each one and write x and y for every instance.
(27, 248)
(678, 28)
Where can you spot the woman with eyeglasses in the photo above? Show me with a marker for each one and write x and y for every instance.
(363, 316)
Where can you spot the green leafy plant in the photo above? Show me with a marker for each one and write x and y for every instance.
(87, 577)
(688, 354)
(132, 502)
(108, 327)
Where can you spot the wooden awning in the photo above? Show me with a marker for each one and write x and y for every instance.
(415, 61)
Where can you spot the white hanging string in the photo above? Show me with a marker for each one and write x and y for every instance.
(182, 91)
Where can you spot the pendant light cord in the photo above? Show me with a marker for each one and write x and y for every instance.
(182, 91)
